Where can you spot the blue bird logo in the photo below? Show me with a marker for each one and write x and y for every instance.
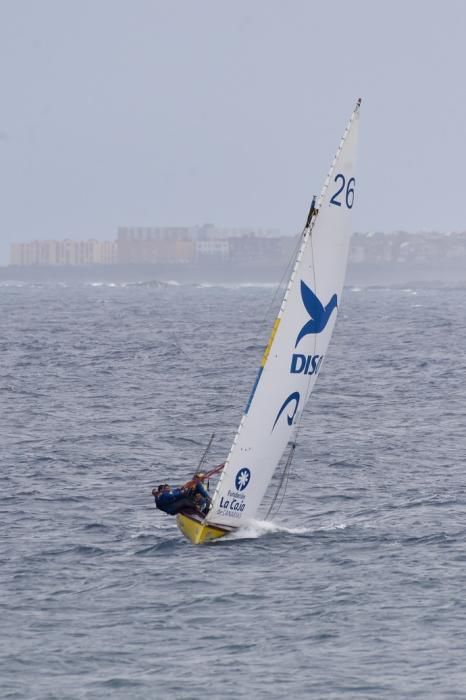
(319, 314)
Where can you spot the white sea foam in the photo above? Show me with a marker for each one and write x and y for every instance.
(238, 285)
(14, 283)
(258, 528)
(332, 526)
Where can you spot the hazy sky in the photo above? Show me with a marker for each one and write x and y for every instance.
(180, 112)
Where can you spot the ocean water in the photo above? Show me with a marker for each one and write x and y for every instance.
(355, 588)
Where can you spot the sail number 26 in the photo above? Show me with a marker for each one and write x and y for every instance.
(349, 193)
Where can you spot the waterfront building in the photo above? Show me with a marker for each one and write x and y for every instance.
(66, 252)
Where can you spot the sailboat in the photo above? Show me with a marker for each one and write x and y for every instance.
(293, 356)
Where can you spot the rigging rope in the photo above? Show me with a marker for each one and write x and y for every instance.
(283, 483)
(206, 475)
(285, 474)
(286, 275)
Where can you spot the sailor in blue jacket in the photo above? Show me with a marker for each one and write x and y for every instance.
(172, 501)
(192, 496)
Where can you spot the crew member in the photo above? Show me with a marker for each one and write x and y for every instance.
(199, 493)
(172, 501)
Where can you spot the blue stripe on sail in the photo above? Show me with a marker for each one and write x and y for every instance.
(253, 389)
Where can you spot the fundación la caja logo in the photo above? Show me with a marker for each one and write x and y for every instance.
(242, 479)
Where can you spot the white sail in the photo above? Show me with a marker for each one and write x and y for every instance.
(297, 345)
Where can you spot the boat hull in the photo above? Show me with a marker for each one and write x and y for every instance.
(197, 531)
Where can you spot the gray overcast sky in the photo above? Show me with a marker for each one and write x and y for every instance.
(185, 111)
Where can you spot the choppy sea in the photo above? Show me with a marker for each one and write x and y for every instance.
(357, 586)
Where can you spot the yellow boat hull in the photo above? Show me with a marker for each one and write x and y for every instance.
(197, 531)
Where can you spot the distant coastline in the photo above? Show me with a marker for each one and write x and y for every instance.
(444, 273)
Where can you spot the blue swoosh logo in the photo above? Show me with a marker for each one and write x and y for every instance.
(319, 313)
(289, 418)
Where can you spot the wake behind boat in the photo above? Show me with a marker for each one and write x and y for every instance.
(292, 359)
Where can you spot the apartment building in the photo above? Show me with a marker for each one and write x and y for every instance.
(66, 252)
